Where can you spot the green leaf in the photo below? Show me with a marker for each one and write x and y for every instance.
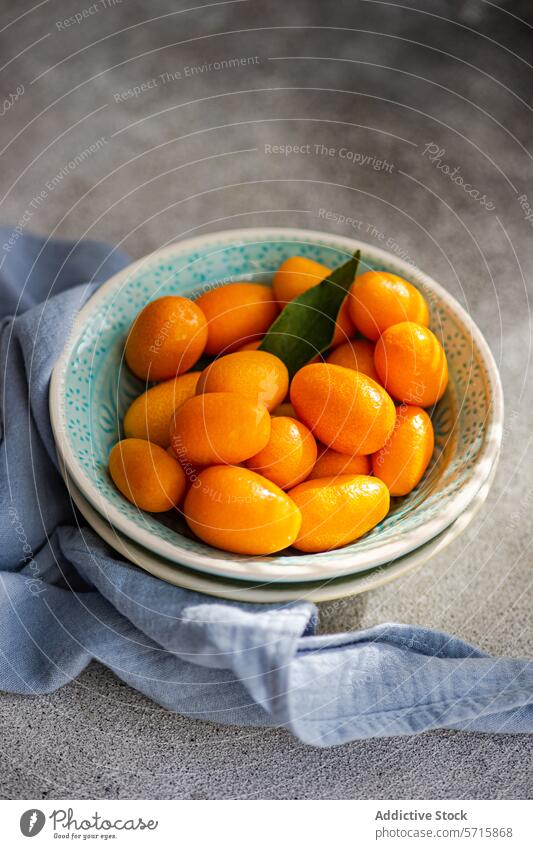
(305, 327)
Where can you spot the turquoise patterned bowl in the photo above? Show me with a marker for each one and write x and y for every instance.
(91, 390)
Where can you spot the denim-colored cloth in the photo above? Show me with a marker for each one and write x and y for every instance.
(66, 598)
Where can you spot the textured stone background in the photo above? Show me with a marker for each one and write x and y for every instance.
(187, 155)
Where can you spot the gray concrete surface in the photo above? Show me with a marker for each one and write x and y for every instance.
(386, 80)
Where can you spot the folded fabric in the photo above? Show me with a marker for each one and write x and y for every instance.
(66, 598)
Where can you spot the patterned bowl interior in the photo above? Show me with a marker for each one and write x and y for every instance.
(96, 387)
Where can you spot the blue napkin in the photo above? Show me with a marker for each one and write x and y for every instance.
(66, 598)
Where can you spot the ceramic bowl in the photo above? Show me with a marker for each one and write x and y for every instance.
(91, 389)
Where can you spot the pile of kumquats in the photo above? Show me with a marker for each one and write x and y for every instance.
(258, 453)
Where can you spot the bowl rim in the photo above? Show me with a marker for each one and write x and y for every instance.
(249, 568)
